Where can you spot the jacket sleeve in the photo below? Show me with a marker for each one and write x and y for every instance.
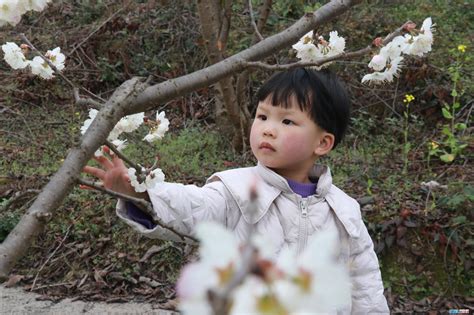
(181, 207)
(367, 290)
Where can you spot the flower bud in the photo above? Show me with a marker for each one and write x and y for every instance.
(377, 42)
(409, 26)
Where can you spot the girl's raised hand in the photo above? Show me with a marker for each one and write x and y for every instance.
(113, 174)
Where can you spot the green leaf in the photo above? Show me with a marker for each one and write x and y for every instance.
(454, 93)
(446, 131)
(461, 126)
(456, 105)
(447, 114)
(459, 220)
(447, 158)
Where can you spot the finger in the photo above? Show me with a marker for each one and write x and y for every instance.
(105, 162)
(85, 187)
(94, 171)
(107, 150)
(117, 162)
(126, 178)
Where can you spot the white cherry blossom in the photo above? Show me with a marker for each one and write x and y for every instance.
(41, 68)
(158, 127)
(154, 177)
(87, 122)
(309, 51)
(421, 44)
(378, 62)
(10, 12)
(392, 69)
(394, 48)
(217, 254)
(337, 43)
(14, 56)
(126, 124)
(56, 57)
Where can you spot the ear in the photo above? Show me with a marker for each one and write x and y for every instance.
(325, 144)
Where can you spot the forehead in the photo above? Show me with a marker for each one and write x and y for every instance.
(266, 105)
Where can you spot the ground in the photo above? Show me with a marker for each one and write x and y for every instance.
(15, 301)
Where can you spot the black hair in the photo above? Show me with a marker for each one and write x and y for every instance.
(320, 93)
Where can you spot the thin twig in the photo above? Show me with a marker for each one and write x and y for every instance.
(252, 20)
(50, 256)
(17, 196)
(142, 203)
(387, 104)
(112, 147)
(53, 285)
(85, 101)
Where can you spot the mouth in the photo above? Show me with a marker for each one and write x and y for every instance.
(266, 146)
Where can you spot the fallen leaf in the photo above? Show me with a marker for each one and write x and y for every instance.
(13, 280)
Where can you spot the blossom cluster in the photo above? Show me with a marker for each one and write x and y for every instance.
(128, 124)
(309, 283)
(311, 49)
(387, 63)
(15, 57)
(12, 10)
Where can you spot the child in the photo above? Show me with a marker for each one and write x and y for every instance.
(302, 115)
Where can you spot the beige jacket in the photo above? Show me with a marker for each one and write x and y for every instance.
(286, 216)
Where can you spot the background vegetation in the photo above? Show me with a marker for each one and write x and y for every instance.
(423, 237)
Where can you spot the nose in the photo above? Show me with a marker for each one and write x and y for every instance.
(269, 131)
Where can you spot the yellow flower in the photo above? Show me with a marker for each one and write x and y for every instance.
(462, 48)
(408, 98)
(434, 145)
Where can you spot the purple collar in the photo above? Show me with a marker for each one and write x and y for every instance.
(302, 189)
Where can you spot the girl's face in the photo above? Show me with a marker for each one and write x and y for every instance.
(287, 140)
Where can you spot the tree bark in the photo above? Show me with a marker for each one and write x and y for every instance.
(132, 97)
(215, 31)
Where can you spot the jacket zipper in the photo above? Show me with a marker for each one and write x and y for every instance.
(303, 235)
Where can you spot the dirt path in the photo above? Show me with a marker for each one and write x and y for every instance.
(16, 301)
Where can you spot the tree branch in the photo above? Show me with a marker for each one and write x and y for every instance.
(322, 61)
(252, 21)
(85, 101)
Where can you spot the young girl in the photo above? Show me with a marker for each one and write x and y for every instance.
(302, 115)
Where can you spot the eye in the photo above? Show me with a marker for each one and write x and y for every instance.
(262, 117)
(288, 122)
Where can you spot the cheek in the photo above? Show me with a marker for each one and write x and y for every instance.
(296, 145)
(253, 137)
